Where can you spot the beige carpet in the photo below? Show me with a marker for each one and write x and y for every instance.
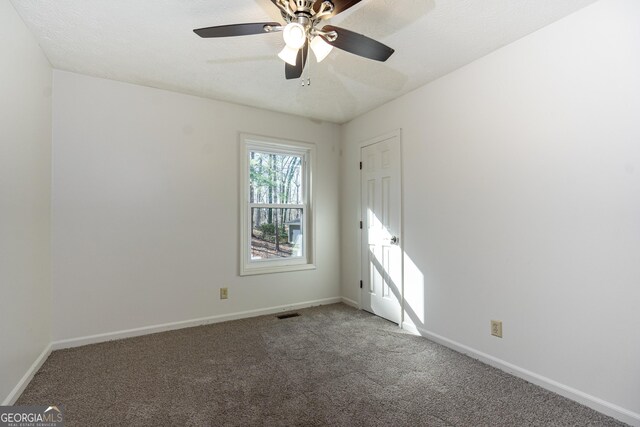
(333, 365)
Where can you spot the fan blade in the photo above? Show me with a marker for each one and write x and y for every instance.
(292, 72)
(358, 44)
(338, 6)
(238, 29)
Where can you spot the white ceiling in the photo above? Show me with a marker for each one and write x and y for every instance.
(151, 43)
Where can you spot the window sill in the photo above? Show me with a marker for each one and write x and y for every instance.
(253, 271)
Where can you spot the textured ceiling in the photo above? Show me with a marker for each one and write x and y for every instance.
(150, 42)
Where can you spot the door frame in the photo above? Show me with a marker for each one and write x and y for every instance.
(396, 133)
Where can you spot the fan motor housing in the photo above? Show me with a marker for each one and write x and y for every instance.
(304, 6)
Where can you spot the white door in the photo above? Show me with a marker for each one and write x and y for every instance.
(381, 291)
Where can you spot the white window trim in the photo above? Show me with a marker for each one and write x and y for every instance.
(248, 267)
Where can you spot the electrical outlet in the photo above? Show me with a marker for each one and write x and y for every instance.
(224, 293)
(496, 328)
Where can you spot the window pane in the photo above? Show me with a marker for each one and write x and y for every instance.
(276, 233)
(275, 178)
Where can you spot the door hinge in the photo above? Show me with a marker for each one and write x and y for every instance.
(360, 284)
(360, 225)
(360, 165)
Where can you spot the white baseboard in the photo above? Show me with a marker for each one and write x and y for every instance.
(592, 402)
(26, 378)
(110, 336)
(351, 302)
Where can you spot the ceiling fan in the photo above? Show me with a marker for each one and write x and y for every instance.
(302, 30)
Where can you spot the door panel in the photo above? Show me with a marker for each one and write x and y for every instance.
(381, 213)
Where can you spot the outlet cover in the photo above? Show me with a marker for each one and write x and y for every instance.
(224, 293)
(496, 328)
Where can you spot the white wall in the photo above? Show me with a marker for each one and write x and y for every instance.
(25, 158)
(522, 202)
(145, 208)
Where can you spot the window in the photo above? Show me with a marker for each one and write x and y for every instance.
(276, 221)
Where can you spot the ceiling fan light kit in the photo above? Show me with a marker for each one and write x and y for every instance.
(302, 30)
(321, 49)
(289, 55)
(294, 35)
